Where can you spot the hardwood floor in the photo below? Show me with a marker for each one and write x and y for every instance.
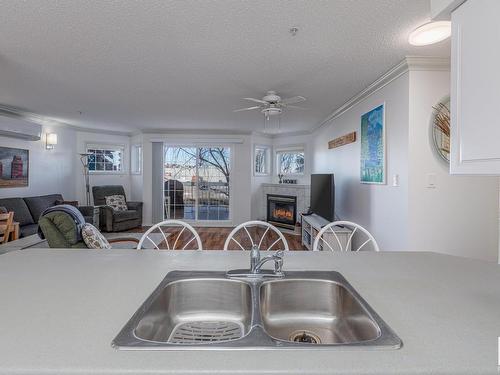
(213, 238)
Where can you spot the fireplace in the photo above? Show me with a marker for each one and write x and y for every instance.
(282, 210)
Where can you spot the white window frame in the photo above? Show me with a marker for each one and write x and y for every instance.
(267, 161)
(136, 158)
(109, 147)
(285, 149)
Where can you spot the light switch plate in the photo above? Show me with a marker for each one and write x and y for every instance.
(395, 180)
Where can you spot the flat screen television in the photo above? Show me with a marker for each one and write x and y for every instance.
(323, 195)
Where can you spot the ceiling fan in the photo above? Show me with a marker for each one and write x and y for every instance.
(272, 104)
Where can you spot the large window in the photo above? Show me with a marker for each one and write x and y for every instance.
(262, 160)
(197, 182)
(105, 158)
(290, 161)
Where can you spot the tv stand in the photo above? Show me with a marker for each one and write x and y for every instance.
(312, 224)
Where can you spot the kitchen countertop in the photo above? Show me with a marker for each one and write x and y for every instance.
(60, 309)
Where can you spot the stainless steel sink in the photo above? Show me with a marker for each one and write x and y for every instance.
(314, 311)
(209, 310)
(197, 311)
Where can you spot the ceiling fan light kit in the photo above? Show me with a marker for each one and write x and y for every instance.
(272, 111)
(272, 124)
(272, 106)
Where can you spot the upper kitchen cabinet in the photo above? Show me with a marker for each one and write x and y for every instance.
(475, 91)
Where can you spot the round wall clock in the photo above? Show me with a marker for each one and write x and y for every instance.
(440, 129)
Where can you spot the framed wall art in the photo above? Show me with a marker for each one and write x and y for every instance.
(14, 167)
(372, 160)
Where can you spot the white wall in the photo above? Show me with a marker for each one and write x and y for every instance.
(241, 182)
(241, 186)
(460, 215)
(50, 171)
(84, 138)
(383, 209)
(60, 170)
(257, 181)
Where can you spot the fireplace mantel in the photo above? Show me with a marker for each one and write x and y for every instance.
(302, 192)
(286, 186)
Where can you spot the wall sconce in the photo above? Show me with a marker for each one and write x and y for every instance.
(50, 141)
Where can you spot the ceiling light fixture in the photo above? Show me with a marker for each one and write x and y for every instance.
(430, 33)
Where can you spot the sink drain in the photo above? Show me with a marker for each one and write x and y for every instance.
(305, 337)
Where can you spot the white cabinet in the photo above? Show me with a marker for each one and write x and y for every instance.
(475, 91)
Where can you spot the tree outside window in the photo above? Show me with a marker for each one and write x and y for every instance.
(290, 162)
(197, 182)
(105, 159)
(261, 160)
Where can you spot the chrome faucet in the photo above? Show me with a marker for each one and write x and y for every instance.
(254, 258)
(256, 263)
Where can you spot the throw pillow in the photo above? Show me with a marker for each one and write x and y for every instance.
(93, 238)
(116, 202)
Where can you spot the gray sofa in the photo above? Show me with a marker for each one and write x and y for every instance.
(27, 210)
(116, 221)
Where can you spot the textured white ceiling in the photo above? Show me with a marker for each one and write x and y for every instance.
(185, 64)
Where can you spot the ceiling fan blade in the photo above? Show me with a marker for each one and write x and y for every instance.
(246, 109)
(296, 107)
(256, 100)
(293, 100)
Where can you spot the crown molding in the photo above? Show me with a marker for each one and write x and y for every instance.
(259, 133)
(394, 73)
(135, 133)
(282, 134)
(441, 10)
(422, 63)
(180, 131)
(83, 129)
(409, 63)
(21, 114)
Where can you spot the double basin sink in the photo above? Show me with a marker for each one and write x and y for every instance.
(209, 310)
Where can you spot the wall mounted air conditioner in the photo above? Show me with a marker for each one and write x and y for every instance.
(19, 128)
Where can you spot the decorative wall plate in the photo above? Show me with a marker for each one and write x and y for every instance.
(440, 129)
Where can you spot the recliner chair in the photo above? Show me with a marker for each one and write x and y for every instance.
(116, 221)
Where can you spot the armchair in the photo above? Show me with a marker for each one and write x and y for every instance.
(63, 227)
(116, 221)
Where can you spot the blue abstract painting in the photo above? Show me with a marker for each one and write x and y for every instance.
(373, 146)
